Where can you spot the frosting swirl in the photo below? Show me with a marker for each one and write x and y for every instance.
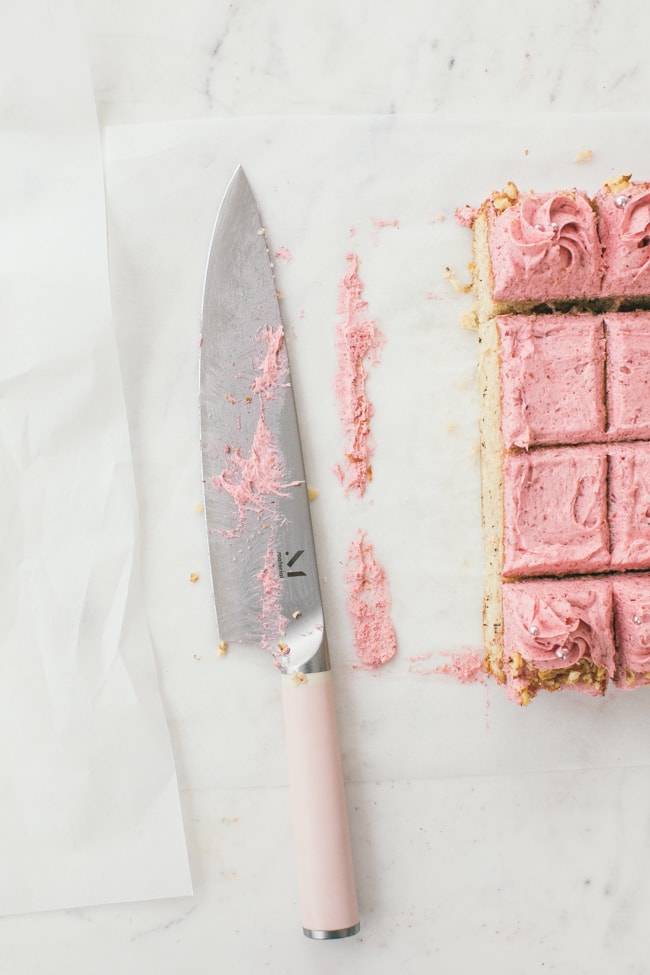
(553, 229)
(635, 229)
(558, 633)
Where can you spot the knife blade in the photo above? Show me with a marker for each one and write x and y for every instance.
(261, 545)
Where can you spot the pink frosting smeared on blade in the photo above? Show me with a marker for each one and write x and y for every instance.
(545, 247)
(357, 340)
(369, 605)
(250, 480)
(253, 481)
(274, 366)
(624, 227)
(274, 623)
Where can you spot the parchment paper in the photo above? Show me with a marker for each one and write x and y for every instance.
(327, 187)
(89, 804)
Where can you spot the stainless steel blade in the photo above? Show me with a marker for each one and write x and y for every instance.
(262, 557)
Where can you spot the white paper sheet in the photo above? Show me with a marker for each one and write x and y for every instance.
(326, 187)
(89, 805)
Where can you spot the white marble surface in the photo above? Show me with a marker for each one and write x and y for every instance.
(514, 868)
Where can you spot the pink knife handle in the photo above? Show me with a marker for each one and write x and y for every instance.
(325, 870)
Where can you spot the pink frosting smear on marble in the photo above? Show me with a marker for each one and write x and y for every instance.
(466, 667)
(369, 605)
(358, 341)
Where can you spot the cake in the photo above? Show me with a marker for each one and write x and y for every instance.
(561, 284)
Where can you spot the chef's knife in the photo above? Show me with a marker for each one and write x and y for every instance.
(262, 556)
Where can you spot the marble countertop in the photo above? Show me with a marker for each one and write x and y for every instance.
(465, 858)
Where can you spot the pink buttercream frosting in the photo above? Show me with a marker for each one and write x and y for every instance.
(624, 228)
(629, 505)
(558, 625)
(632, 618)
(369, 604)
(628, 375)
(545, 247)
(552, 379)
(555, 511)
(255, 478)
(358, 343)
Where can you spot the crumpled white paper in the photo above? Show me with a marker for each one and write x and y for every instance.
(89, 805)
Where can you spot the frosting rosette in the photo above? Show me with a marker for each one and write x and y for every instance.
(554, 230)
(635, 229)
(624, 230)
(544, 247)
(560, 625)
(558, 634)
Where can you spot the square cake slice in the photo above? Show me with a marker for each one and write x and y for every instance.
(631, 592)
(628, 375)
(532, 249)
(552, 379)
(624, 229)
(555, 511)
(557, 633)
(629, 505)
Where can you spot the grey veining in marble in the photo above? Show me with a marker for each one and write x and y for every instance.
(256, 57)
(461, 868)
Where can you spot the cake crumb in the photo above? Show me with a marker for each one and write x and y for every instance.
(300, 678)
(584, 155)
(194, 577)
(199, 508)
(468, 320)
(618, 183)
(312, 493)
(456, 283)
(222, 649)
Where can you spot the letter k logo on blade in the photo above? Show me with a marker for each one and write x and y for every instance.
(292, 561)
